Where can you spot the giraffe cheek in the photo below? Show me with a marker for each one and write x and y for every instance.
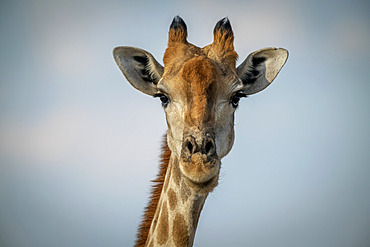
(175, 125)
(174, 139)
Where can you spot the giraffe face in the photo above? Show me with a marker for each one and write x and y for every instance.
(200, 89)
(199, 98)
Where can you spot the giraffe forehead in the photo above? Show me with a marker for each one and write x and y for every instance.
(199, 73)
(199, 82)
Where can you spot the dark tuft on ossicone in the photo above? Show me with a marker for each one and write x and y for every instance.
(223, 25)
(178, 23)
(178, 31)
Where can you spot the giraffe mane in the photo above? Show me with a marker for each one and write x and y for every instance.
(157, 186)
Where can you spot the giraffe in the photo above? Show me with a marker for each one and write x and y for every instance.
(199, 89)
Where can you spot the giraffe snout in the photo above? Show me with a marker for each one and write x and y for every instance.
(204, 145)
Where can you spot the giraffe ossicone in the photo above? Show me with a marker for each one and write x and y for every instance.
(200, 89)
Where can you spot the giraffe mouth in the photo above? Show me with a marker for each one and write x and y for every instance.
(201, 174)
(209, 184)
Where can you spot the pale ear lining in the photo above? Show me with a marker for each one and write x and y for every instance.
(139, 67)
(260, 68)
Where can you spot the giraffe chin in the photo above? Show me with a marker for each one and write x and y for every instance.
(200, 174)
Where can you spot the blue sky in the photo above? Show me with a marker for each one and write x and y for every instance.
(79, 146)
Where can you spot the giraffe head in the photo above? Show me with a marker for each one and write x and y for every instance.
(200, 89)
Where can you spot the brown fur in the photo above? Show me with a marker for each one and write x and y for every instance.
(180, 231)
(176, 174)
(222, 48)
(198, 206)
(144, 228)
(185, 193)
(177, 35)
(199, 74)
(223, 41)
(162, 234)
(172, 199)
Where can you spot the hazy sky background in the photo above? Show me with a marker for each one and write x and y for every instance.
(79, 146)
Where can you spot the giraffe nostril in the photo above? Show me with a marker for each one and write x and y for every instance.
(190, 145)
(209, 147)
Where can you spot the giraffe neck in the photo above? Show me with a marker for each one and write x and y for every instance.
(177, 213)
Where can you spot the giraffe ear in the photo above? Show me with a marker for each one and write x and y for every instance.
(260, 68)
(139, 67)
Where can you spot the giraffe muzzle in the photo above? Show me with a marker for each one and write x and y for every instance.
(200, 163)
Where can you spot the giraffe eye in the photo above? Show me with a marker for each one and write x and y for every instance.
(234, 100)
(164, 99)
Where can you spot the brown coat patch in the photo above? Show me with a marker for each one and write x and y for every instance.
(197, 209)
(176, 174)
(162, 233)
(172, 199)
(199, 75)
(185, 192)
(180, 231)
